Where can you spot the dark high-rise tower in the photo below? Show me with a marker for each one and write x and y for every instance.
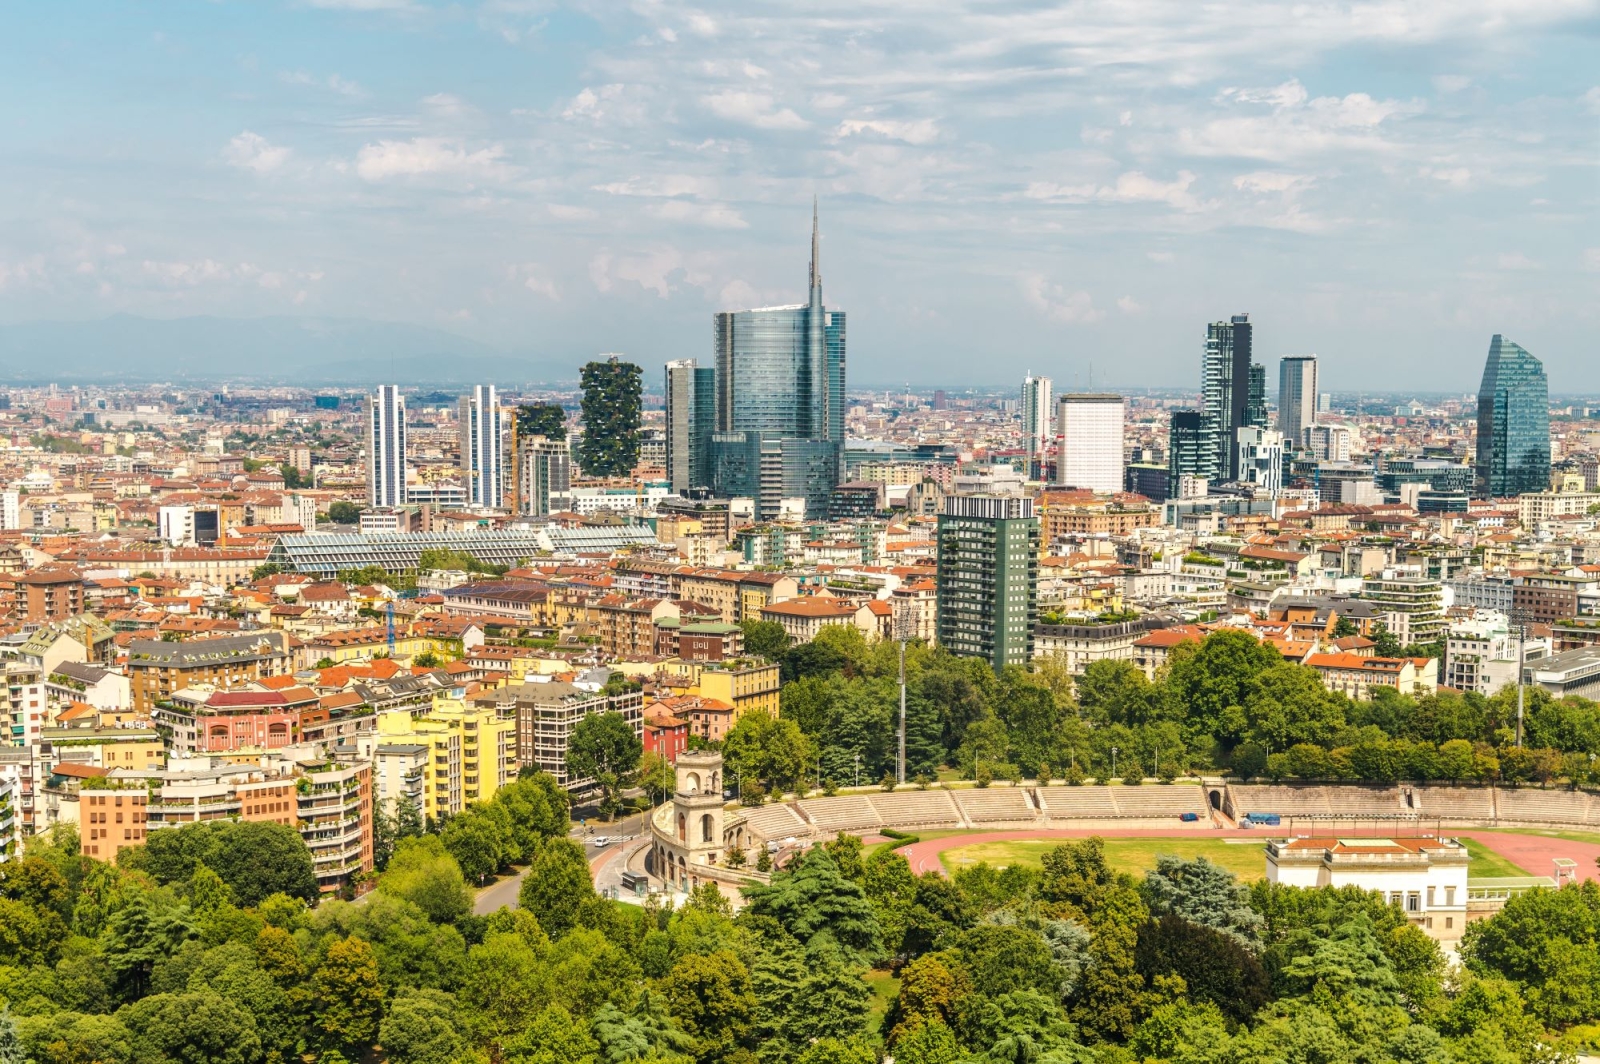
(1513, 422)
(1188, 448)
(1226, 386)
(780, 399)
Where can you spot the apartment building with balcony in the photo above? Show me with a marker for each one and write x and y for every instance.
(544, 716)
(334, 808)
(23, 707)
(471, 751)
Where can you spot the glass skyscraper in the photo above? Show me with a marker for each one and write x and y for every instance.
(1233, 391)
(691, 420)
(1513, 422)
(1297, 398)
(780, 381)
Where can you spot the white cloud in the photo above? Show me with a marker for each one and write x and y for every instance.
(430, 155)
(756, 109)
(202, 271)
(664, 186)
(539, 286)
(1591, 99)
(1451, 82)
(921, 131)
(1515, 260)
(1298, 127)
(448, 107)
(1266, 181)
(364, 5)
(1591, 259)
(1160, 256)
(251, 151)
(1056, 303)
(711, 215)
(617, 102)
(333, 83)
(1131, 187)
(1290, 94)
(1129, 305)
(1135, 187)
(568, 213)
(655, 270)
(1456, 176)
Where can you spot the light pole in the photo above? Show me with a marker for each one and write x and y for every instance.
(858, 768)
(1522, 663)
(1113, 762)
(900, 762)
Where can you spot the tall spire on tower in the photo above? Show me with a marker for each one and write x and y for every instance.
(816, 246)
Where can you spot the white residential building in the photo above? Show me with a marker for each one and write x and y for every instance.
(174, 525)
(482, 447)
(386, 448)
(1261, 460)
(1090, 426)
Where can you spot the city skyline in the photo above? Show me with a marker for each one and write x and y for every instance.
(1423, 193)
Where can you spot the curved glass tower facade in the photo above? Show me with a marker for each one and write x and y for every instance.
(780, 382)
(1513, 423)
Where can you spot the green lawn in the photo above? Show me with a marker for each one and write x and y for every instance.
(884, 986)
(1486, 864)
(1246, 860)
(892, 844)
(1549, 833)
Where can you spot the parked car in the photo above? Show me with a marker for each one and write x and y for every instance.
(1188, 818)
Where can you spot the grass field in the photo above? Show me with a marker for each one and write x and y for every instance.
(1570, 836)
(1135, 856)
(1244, 859)
(1486, 864)
(922, 836)
(884, 987)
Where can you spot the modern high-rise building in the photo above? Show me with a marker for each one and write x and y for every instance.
(1189, 448)
(780, 378)
(1297, 398)
(691, 421)
(546, 470)
(988, 578)
(482, 447)
(1225, 390)
(1090, 427)
(1261, 460)
(1513, 422)
(386, 447)
(1038, 420)
(1329, 443)
(1255, 405)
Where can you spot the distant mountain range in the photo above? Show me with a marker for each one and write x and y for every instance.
(274, 349)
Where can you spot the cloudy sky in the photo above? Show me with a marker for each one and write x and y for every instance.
(1073, 188)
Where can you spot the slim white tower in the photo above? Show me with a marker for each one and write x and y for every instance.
(482, 447)
(386, 447)
(1037, 421)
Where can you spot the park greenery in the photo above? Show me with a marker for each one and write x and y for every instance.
(1230, 703)
(182, 957)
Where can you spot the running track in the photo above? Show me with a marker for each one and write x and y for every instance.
(1531, 852)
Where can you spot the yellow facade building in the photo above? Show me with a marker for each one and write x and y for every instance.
(472, 752)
